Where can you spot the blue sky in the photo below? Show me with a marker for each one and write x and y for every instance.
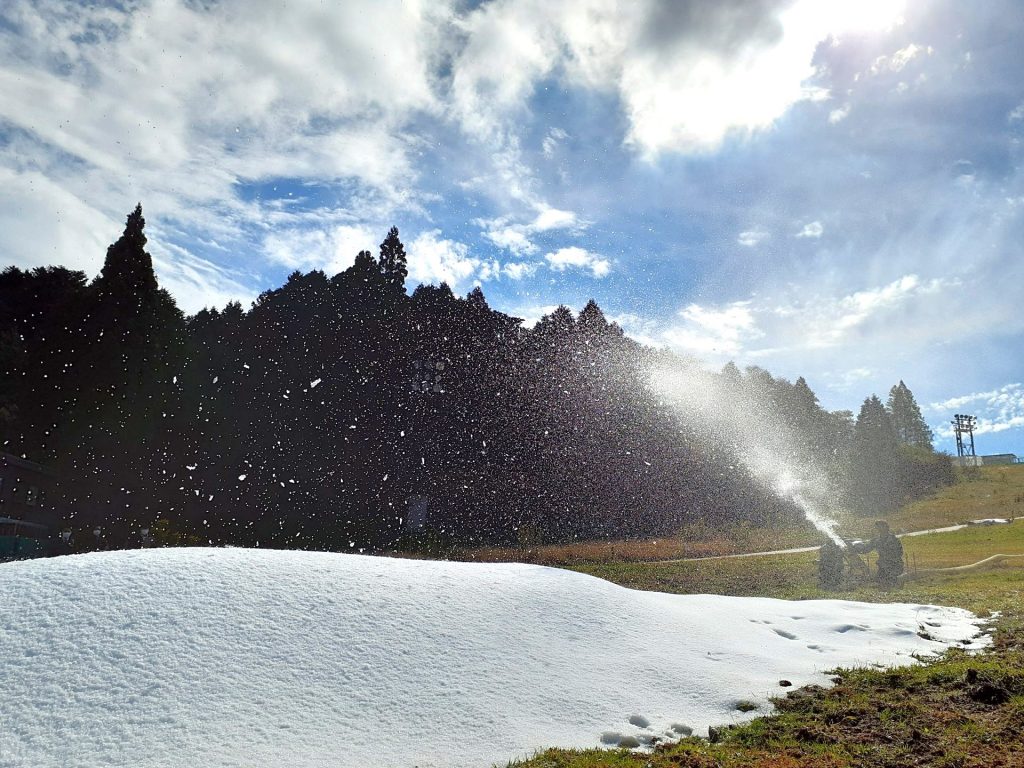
(827, 189)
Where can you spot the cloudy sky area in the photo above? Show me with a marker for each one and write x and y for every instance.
(827, 189)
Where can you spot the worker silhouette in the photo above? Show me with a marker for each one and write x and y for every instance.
(890, 554)
(830, 565)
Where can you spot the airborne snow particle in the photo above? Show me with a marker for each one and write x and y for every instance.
(314, 382)
(242, 477)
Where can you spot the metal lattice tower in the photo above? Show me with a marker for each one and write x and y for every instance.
(964, 425)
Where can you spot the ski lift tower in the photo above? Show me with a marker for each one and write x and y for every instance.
(964, 425)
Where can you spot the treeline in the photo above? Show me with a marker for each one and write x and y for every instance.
(336, 408)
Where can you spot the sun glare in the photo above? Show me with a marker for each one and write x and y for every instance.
(863, 17)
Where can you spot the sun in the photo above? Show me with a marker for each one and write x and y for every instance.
(863, 16)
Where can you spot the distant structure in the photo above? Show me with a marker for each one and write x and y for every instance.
(28, 491)
(964, 425)
(998, 458)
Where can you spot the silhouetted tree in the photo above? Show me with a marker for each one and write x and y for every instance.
(874, 460)
(908, 423)
(312, 419)
(393, 260)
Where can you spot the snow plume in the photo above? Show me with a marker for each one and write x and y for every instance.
(767, 447)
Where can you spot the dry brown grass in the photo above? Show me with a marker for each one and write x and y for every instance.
(697, 541)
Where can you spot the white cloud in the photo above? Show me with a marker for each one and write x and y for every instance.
(997, 410)
(865, 317)
(709, 330)
(1017, 113)
(813, 230)
(840, 332)
(197, 283)
(575, 257)
(176, 104)
(688, 76)
(43, 224)
(511, 238)
(329, 249)
(532, 313)
(517, 270)
(751, 237)
(897, 61)
(550, 144)
(517, 237)
(434, 259)
(839, 114)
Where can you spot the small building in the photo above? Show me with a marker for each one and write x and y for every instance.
(30, 492)
(19, 539)
(999, 458)
(966, 461)
(984, 461)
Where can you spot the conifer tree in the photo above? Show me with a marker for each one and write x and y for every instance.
(393, 261)
(874, 460)
(476, 299)
(128, 269)
(364, 268)
(591, 319)
(731, 374)
(908, 423)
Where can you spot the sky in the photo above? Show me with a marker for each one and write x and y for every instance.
(820, 188)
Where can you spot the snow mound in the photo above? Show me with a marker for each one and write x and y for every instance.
(230, 657)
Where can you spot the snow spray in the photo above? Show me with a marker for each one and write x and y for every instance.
(768, 448)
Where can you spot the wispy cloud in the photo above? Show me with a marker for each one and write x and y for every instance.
(898, 60)
(839, 114)
(997, 410)
(813, 230)
(517, 237)
(751, 237)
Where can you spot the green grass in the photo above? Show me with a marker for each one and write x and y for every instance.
(958, 711)
(794, 576)
(991, 492)
(996, 491)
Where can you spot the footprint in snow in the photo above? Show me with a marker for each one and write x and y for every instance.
(785, 634)
(847, 627)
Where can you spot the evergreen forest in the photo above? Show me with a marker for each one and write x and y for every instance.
(343, 413)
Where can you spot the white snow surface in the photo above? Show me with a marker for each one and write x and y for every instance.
(234, 657)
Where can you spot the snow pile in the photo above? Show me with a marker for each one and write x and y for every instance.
(221, 657)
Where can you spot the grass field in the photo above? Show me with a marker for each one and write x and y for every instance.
(994, 492)
(997, 491)
(958, 711)
(795, 576)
